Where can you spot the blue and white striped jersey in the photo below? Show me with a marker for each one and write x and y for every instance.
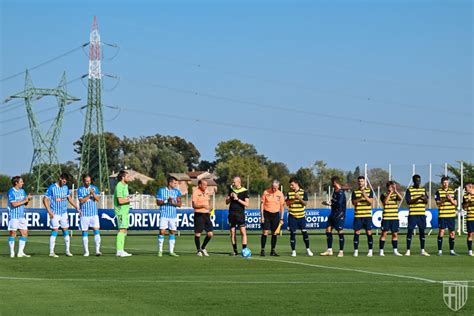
(89, 207)
(167, 210)
(58, 198)
(15, 195)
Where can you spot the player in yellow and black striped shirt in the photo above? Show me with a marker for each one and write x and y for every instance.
(362, 199)
(468, 205)
(416, 199)
(296, 200)
(390, 221)
(446, 200)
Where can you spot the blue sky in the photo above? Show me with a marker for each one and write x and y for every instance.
(303, 81)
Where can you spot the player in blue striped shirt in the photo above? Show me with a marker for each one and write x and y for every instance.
(168, 199)
(89, 195)
(55, 201)
(17, 199)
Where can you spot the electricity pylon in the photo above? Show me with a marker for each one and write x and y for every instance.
(93, 153)
(45, 164)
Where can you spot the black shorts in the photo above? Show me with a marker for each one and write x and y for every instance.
(296, 223)
(336, 222)
(446, 222)
(202, 221)
(236, 219)
(470, 226)
(417, 220)
(271, 221)
(392, 225)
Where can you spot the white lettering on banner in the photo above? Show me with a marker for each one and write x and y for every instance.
(5, 219)
(33, 219)
(403, 218)
(252, 219)
(213, 220)
(185, 219)
(429, 217)
(377, 218)
(312, 213)
(73, 219)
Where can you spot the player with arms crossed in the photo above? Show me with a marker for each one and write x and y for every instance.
(89, 195)
(468, 205)
(55, 201)
(238, 200)
(337, 217)
(416, 199)
(17, 199)
(445, 198)
(390, 220)
(168, 199)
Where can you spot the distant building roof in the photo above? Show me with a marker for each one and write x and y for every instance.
(201, 175)
(134, 175)
(210, 182)
(181, 176)
(195, 174)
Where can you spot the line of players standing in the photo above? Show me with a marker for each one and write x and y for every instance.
(273, 203)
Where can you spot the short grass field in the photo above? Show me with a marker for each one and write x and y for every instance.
(220, 284)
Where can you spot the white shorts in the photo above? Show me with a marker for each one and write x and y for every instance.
(89, 222)
(18, 223)
(168, 223)
(59, 220)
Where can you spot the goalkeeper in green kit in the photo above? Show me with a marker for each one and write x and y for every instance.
(122, 208)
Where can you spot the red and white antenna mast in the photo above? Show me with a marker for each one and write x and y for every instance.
(94, 52)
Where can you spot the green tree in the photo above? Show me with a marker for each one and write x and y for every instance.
(324, 174)
(279, 171)
(378, 177)
(306, 179)
(113, 149)
(455, 173)
(205, 165)
(245, 167)
(5, 183)
(234, 147)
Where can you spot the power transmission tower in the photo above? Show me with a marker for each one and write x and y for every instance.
(94, 154)
(45, 164)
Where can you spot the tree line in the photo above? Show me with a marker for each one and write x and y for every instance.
(158, 155)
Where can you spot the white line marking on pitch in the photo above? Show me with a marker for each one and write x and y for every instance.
(309, 265)
(352, 270)
(196, 281)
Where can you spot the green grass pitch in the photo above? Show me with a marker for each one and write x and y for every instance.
(189, 285)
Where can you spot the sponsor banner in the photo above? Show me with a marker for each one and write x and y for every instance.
(38, 219)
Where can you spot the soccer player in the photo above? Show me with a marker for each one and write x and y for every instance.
(202, 217)
(168, 199)
(337, 217)
(390, 221)
(445, 198)
(416, 199)
(122, 209)
(468, 205)
(17, 199)
(296, 199)
(271, 215)
(55, 201)
(89, 195)
(238, 200)
(362, 198)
